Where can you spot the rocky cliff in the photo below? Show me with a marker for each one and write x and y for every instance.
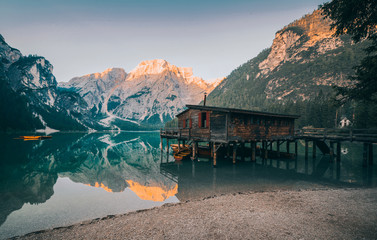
(29, 93)
(152, 93)
(304, 59)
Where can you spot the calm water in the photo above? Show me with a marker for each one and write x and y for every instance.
(75, 177)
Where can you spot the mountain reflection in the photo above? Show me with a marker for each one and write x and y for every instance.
(29, 170)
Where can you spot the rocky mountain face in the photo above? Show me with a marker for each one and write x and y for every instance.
(304, 59)
(29, 93)
(151, 94)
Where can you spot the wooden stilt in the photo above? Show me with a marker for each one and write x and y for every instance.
(314, 149)
(214, 155)
(265, 150)
(211, 146)
(167, 145)
(370, 154)
(288, 144)
(161, 143)
(331, 151)
(228, 150)
(234, 153)
(196, 150)
(243, 151)
(306, 149)
(338, 152)
(179, 146)
(253, 146)
(278, 148)
(271, 143)
(365, 154)
(296, 149)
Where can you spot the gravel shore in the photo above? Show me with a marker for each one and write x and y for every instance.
(309, 214)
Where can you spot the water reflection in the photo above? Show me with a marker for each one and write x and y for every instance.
(198, 179)
(113, 162)
(120, 172)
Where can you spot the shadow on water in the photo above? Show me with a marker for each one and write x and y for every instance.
(198, 179)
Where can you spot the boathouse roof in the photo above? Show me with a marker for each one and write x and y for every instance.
(235, 110)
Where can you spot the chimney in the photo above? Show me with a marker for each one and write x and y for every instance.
(205, 97)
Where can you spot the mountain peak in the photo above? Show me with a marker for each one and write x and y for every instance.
(151, 67)
(314, 25)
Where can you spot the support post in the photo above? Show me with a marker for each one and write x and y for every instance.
(211, 147)
(370, 154)
(296, 149)
(331, 151)
(338, 152)
(234, 153)
(214, 155)
(179, 146)
(243, 151)
(278, 148)
(314, 149)
(270, 146)
(288, 144)
(228, 150)
(265, 150)
(306, 149)
(253, 146)
(365, 154)
(167, 146)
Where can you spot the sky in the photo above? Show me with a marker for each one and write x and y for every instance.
(80, 37)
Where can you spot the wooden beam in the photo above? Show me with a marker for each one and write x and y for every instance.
(234, 153)
(278, 148)
(338, 151)
(228, 150)
(288, 145)
(214, 155)
(243, 151)
(253, 148)
(265, 150)
(365, 154)
(370, 154)
(331, 151)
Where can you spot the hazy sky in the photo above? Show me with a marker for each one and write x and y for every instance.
(86, 36)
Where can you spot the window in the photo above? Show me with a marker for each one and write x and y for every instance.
(203, 119)
(187, 125)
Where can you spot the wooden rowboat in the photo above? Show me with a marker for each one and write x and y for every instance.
(30, 138)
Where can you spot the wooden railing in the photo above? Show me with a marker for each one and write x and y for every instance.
(362, 135)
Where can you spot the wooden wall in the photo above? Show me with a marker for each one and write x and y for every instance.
(241, 127)
(248, 127)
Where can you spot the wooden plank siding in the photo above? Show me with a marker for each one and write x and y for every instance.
(220, 126)
(244, 127)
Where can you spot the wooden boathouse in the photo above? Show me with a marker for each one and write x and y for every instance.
(229, 127)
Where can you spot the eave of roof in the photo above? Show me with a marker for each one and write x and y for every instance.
(235, 110)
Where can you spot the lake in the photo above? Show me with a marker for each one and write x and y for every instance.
(75, 177)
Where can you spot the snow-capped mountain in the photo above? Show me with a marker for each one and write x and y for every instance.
(152, 93)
